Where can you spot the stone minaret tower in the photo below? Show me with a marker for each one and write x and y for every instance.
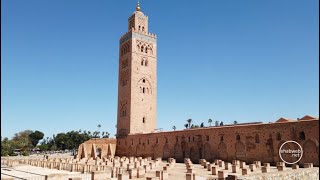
(137, 86)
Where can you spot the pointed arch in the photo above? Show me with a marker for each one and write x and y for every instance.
(166, 151)
(207, 152)
(178, 153)
(240, 151)
(194, 154)
(222, 151)
(310, 152)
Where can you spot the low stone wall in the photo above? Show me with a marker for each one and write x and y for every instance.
(303, 174)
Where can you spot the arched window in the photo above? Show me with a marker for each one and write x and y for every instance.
(143, 90)
(142, 48)
(143, 80)
(146, 63)
(278, 136)
(146, 49)
(257, 138)
(139, 28)
(144, 120)
(302, 136)
(142, 28)
(166, 140)
(142, 63)
(238, 137)
(221, 138)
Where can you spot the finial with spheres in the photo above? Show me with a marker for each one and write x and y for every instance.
(138, 6)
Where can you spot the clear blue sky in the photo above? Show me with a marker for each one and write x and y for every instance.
(230, 60)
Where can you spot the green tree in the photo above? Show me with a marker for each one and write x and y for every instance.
(99, 126)
(106, 135)
(210, 121)
(235, 122)
(61, 141)
(189, 122)
(216, 123)
(35, 137)
(6, 147)
(186, 125)
(202, 124)
(221, 123)
(22, 140)
(174, 128)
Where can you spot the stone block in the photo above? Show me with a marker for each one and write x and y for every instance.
(214, 170)
(252, 167)
(222, 174)
(280, 164)
(266, 165)
(146, 168)
(232, 177)
(190, 170)
(7, 178)
(227, 166)
(165, 175)
(133, 173)
(159, 174)
(242, 164)
(265, 169)
(221, 164)
(235, 169)
(152, 178)
(281, 168)
(189, 176)
(295, 166)
(257, 163)
(308, 165)
(123, 176)
(141, 172)
(245, 171)
(100, 175)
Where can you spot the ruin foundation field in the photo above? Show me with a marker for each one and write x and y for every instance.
(124, 168)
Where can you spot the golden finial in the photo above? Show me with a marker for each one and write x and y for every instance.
(138, 6)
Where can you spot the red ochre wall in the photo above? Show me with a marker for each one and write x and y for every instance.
(97, 147)
(248, 143)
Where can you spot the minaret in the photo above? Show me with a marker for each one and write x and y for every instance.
(137, 84)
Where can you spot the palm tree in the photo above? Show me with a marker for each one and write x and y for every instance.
(189, 122)
(217, 123)
(235, 122)
(174, 128)
(221, 124)
(210, 121)
(202, 124)
(186, 125)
